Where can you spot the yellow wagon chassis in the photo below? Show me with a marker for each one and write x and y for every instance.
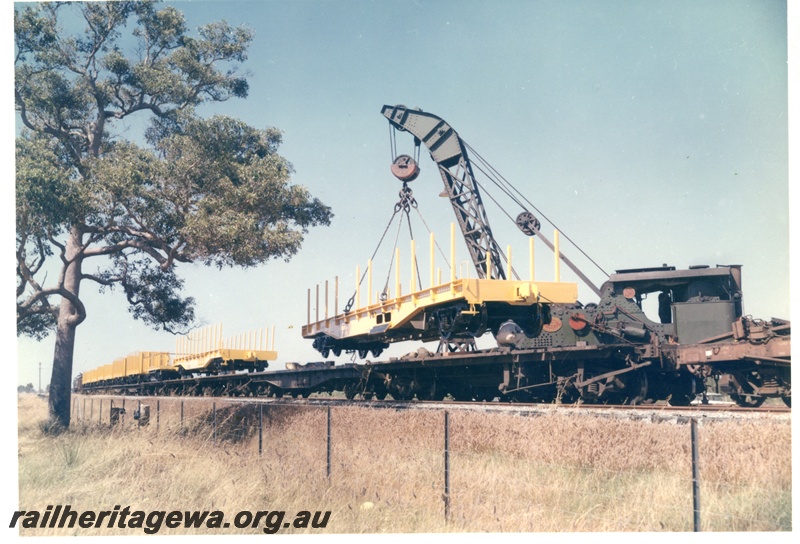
(204, 351)
(425, 314)
(207, 350)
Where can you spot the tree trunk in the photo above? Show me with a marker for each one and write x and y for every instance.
(61, 379)
(69, 317)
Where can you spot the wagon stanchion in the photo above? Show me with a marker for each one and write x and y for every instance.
(446, 495)
(695, 476)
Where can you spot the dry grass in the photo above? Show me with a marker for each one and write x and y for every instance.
(556, 472)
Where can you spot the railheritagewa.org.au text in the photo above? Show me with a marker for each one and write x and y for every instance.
(64, 517)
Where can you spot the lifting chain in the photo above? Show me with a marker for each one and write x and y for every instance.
(405, 204)
(407, 200)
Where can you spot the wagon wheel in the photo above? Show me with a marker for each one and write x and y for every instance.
(401, 390)
(637, 388)
(447, 322)
(684, 390)
(747, 401)
(350, 390)
(453, 323)
(402, 395)
(678, 399)
(431, 391)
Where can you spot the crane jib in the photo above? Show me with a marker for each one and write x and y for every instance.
(449, 153)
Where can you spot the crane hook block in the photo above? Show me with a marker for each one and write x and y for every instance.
(405, 168)
(528, 223)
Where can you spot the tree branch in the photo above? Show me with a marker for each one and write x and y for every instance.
(103, 281)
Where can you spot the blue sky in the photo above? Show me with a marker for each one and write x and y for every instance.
(650, 132)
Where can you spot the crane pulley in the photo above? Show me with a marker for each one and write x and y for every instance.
(405, 168)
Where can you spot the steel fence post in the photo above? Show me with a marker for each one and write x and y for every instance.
(695, 476)
(329, 444)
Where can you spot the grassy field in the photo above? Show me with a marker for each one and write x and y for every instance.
(556, 472)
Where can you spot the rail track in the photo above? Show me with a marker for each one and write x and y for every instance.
(653, 412)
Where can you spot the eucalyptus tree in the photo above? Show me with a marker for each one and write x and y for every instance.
(93, 206)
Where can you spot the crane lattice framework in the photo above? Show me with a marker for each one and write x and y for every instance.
(448, 152)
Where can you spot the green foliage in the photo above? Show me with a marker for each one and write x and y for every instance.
(244, 210)
(44, 192)
(214, 190)
(73, 87)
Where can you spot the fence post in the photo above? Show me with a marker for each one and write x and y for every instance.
(260, 429)
(181, 429)
(83, 412)
(695, 477)
(446, 467)
(100, 418)
(158, 415)
(329, 444)
(214, 408)
(91, 409)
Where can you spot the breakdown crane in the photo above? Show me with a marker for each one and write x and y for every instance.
(449, 152)
(550, 347)
(454, 312)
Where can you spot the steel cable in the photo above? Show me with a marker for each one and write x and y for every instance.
(500, 181)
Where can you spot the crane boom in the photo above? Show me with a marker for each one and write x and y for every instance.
(449, 153)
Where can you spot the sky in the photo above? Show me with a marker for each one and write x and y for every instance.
(650, 132)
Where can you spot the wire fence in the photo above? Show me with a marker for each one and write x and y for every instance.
(515, 473)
